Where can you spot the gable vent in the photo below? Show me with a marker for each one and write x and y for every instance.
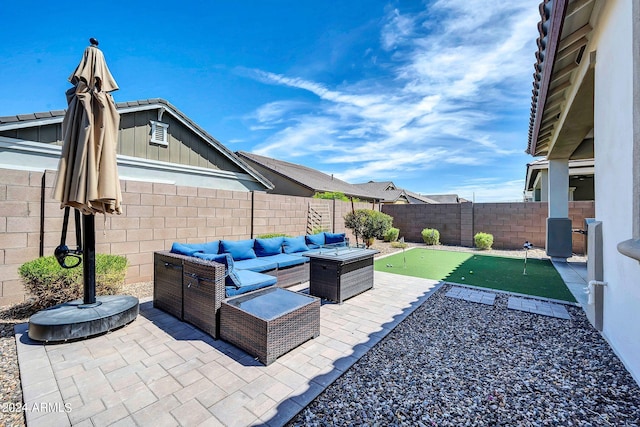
(159, 133)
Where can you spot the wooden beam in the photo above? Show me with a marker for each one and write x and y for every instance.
(575, 36)
(560, 74)
(571, 48)
(576, 5)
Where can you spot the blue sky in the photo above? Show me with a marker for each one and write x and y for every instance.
(432, 95)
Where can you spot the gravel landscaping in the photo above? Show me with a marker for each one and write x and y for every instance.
(454, 363)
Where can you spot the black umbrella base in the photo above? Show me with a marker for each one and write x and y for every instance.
(75, 320)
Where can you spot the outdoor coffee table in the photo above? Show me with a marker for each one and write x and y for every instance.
(340, 273)
(268, 323)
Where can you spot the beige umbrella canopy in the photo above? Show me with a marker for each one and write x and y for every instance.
(87, 177)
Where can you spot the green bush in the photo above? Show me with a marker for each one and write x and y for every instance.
(368, 224)
(391, 235)
(51, 284)
(400, 245)
(331, 195)
(483, 240)
(431, 236)
(269, 235)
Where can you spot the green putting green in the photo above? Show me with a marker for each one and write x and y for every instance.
(494, 272)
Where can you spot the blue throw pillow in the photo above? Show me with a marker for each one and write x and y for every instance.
(269, 246)
(330, 238)
(238, 249)
(295, 244)
(185, 249)
(314, 240)
(226, 259)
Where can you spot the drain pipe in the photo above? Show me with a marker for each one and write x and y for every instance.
(591, 289)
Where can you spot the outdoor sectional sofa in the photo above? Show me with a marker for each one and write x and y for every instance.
(192, 279)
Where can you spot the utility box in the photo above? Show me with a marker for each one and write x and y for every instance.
(559, 244)
(595, 271)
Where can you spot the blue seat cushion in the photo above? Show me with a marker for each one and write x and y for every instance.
(239, 249)
(231, 276)
(333, 238)
(268, 246)
(256, 264)
(250, 281)
(294, 244)
(285, 260)
(314, 240)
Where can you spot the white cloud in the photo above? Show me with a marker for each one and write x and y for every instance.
(454, 68)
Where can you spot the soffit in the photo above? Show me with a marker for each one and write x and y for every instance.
(561, 87)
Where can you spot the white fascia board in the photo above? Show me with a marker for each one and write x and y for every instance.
(50, 150)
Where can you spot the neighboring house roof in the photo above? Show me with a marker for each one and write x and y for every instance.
(56, 116)
(445, 198)
(310, 178)
(565, 31)
(387, 191)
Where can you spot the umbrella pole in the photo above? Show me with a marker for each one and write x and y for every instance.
(89, 260)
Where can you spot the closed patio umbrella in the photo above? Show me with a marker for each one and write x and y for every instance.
(87, 177)
(87, 181)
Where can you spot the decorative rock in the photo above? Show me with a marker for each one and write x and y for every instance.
(453, 363)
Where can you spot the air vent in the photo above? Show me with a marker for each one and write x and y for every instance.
(159, 133)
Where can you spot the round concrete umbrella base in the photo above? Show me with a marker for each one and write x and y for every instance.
(75, 320)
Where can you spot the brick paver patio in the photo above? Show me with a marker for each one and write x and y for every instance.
(159, 371)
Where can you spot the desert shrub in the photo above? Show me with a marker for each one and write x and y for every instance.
(318, 230)
(368, 224)
(269, 235)
(51, 284)
(483, 240)
(391, 235)
(399, 245)
(431, 236)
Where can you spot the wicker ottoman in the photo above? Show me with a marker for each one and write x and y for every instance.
(268, 323)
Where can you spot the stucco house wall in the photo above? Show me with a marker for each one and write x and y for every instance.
(615, 158)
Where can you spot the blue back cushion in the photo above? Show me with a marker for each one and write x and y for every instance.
(238, 249)
(212, 247)
(269, 246)
(232, 278)
(314, 240)
(295, 244)
(184, 249)
(330, 238)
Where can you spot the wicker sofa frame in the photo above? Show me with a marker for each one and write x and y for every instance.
(193, 289)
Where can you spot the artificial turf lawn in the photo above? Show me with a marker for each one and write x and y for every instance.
(487, 271)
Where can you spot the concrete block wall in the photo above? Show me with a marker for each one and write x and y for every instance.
(154, 216)
(412, 219)
(511, 223)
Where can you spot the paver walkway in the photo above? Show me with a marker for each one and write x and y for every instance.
(471, 295)
(159, 371)
(538, 307)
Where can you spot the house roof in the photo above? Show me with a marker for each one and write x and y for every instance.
(310, 178)
(56, 116)
(445, 198)
(564, 32)
(576, 168)
(388, 192)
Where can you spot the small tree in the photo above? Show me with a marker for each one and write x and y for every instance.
(368, 224)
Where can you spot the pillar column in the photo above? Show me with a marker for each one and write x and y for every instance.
(558, 243)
